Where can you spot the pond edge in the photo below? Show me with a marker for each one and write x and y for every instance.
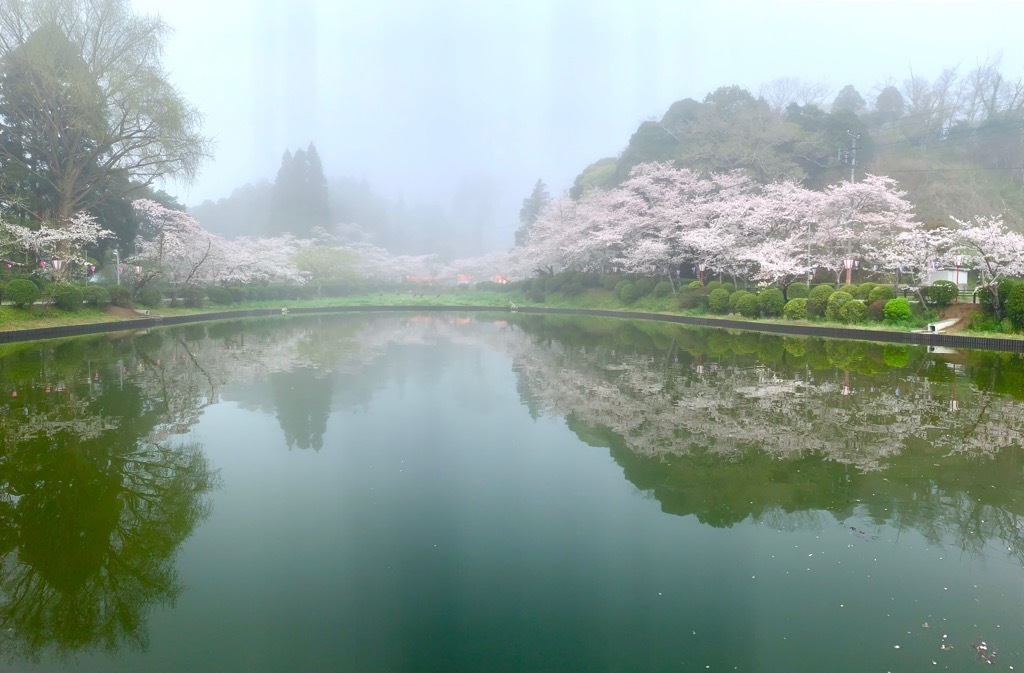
(911, 338)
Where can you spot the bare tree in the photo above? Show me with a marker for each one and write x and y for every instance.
(781, 92)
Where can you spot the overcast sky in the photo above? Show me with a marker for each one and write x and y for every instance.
(417, 95)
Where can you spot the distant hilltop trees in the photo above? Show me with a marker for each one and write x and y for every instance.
(298, 200)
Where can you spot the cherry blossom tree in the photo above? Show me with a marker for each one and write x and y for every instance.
(69, 243)
(171, 243)
(994, 249)
(914, 252)
(855, 214)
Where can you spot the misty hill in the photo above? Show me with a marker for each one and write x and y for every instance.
(956, 144)
(301, 199)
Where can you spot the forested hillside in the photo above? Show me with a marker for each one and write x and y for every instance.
(955, 143)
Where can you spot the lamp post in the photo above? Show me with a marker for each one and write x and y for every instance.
(117, 262)
(848, 265)
(700, 268)
(58, 264)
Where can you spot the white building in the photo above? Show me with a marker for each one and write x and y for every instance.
(951, 276)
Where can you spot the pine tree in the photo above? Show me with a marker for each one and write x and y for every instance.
(300, 200)
(533, 206)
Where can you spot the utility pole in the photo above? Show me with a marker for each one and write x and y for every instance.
(850, 157)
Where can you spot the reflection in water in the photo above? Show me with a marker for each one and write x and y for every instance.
(95, 496)
(98, 490)
(735, 426)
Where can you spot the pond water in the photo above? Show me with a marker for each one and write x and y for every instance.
(402, 492)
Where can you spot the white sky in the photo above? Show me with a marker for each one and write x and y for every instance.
(417, 95)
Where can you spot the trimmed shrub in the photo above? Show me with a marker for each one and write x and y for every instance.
(729, 287)
(21, 292)
(853, 311)
(851, 289)
(194, 295)
(554, 283)
(219, 295)
(120, 295)
(864, 291)
(747, 306)
(941, 293)
(95, 295)
(663, 289)
(644, 286)
(609, 281)
(693, 284)
(573, 289)
(718, 301)
(897, 310)
(628, 294)
(795, 309)
(797, 291)
(66, 297)
(734, 299)
(817, 300)
(713, 285)
(618, 287)
(150, 296)
(536, 295)
(836, 301)
(1015, 307)
(695, 298)
(883, 292)
(876, 310)
(770, 302)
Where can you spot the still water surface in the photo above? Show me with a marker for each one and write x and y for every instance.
(507, 493)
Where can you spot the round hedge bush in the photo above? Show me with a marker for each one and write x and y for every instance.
(219, 295)
(150, 296)
(770, 302)
(864, 291)
(663, 289)
(876, 310)
(797, 291)
(795, 309)
(690, 298)
(853, 311)
(718, 301)
(747, 306)
(96, 295)
(21, 292)
(897, 310)
(941, 293)
(67, 297)
(883, 292)
(734, 299)
(1015, 307)
(836, 301)
(817, 300)
(644, 286)
(628, 293)
(120, 295)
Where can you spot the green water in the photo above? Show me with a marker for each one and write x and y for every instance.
(506, 493)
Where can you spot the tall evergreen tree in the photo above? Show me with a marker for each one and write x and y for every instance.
(299, 202)
(533, 206)
(317, 202)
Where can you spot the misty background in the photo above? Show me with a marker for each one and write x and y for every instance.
(447, 112)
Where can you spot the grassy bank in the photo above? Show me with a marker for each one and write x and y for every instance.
(39, 316)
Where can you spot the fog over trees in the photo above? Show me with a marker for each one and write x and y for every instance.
(91, 124)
